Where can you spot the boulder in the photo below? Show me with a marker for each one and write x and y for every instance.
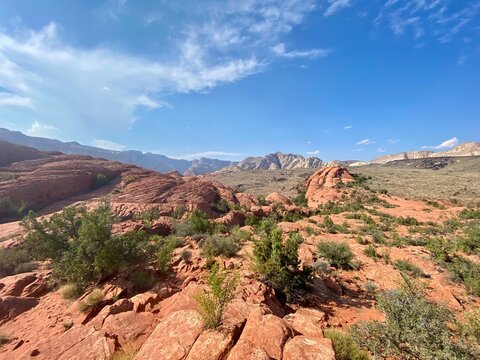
(173, 337)
(245, 350)
(305, 348)
(321, 185)
(129, 327)
(307, 322)
(233, 218)
(266, 331)
(277, 198)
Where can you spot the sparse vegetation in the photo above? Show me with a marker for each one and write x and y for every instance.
(345, 347)
(338, 254)
(371, 252)
(101, 180)
(71, 291)
(128, 352)
(143, 280)
(301, 199)
(12, 259)
(409, 268)
(196, 223)
(3, 338)
(221, 290)
(147, 216)
(12, 210)
(414, 329)
(92, 300)
(277, 263)
(216, 245)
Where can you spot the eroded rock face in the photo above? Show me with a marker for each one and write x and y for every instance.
(12, 306)
(277, 198)
(305, 348)
(173, 337)
(321, 185)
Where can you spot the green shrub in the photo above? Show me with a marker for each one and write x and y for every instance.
(25, 267)
(186, 255)
(301, 199)
(215, 245)
(414, 329)
(407, 221)
(9, 209)
(470, 214)
(338, 254)
(221, 207)
(345, 347)
(11, 258)
(371, 287)
(165, 249)
(471, 326)
(221, 290)
(197, 223)
(101, 180)
(179, 212)
(436, 204)
(277, 263)
(71, 291)
(147, 216)
(143, 280)
(93, 300)
(371, 252)
(470, 242)
(409, 268)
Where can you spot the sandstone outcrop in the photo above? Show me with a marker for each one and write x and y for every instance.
(321, 185)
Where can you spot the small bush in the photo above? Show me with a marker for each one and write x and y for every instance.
(71, 291)
(67, 325)
(407, 221)
(165, 249)
(11, 259)
(147, 216)
(277, 263)
(221, 291)
(186, 255)
(216, 245)
(436, 204)
(470, 214)
(25, 267)
(221, 207)
(179, 212)
(92, 300)
(345, 347)
(143, 280)
(471, 326)
(301, 199)
(409, 268)
(338, 254)
(9, 209)
(371, 252)
(371, 287)
(100, 180)
(414, 329)
(128, 352)
(197, 223)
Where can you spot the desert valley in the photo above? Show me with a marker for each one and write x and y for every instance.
(324, 261)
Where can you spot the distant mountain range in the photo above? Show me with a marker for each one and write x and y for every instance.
(163, 163)
(465, 149)
(276, 161)
(151, 161)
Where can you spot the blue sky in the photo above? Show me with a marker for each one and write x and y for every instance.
(338, 79)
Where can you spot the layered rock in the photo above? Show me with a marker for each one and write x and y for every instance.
(321, 185)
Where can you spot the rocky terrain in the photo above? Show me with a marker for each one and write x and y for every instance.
(465, 149)
(276, 161)
(165, 266)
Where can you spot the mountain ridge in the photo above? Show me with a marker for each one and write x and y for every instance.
(470, 148)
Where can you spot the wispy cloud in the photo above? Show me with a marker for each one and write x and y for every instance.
(281, 50)
(335, 6)
(108, 145)
(40, 129)
(315, 152)
(381, 149)
(365, 142)
(7, 99)
(447, 144)
(392, 141)
(348, 127)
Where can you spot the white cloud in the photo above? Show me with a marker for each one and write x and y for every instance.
(348, 127)
(447, 144)
(40, 129)
(7, 99)
(365, 142)
(335, 6)
(392, 141)
(210, 154)
(100, 87)
(315, 152)
(281, 50)
(381, 149)
(108, 145)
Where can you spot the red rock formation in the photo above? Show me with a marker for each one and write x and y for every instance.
(321, 185)
(276, 198)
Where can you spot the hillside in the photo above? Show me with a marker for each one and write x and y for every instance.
(151, 161)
